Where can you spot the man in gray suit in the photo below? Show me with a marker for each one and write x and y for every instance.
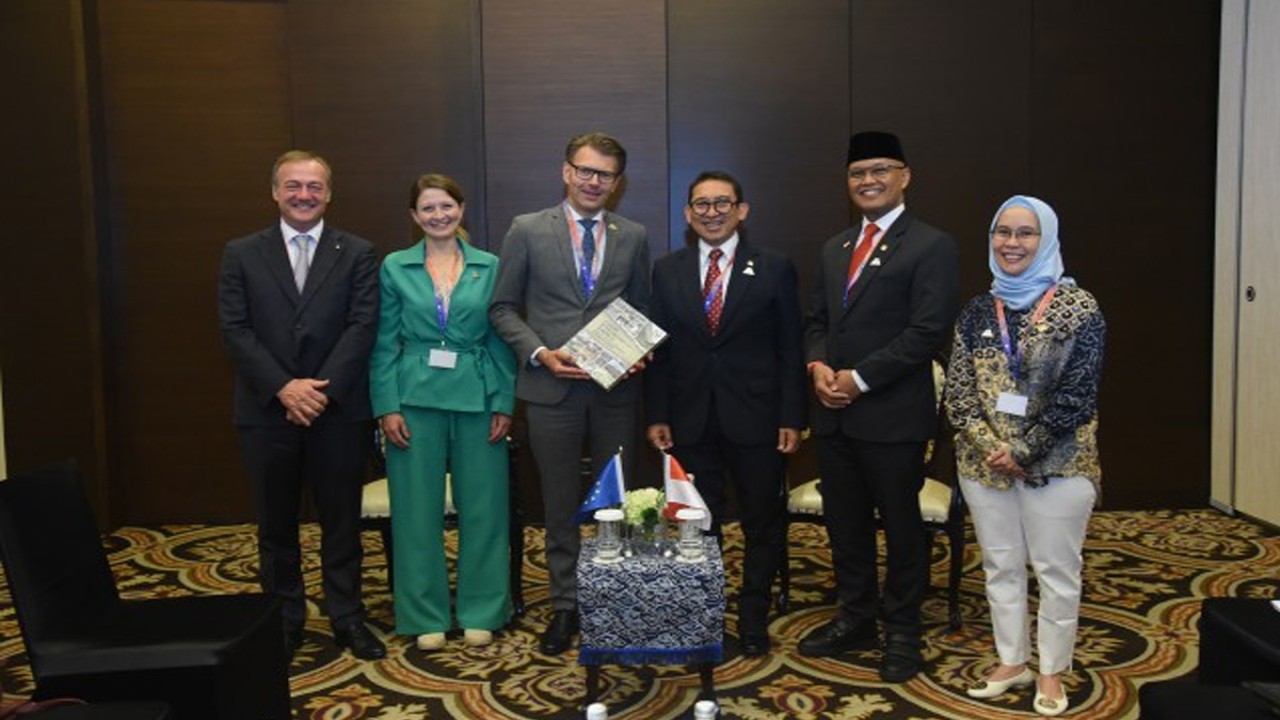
(559, 268)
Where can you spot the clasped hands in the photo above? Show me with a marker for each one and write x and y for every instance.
(835, 388)
(303, 400)
(1001, 461)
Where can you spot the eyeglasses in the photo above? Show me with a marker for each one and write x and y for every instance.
(585, 173)
(721, 204)
(877, 172)
(1022, 233)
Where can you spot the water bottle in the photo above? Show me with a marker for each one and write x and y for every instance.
(597, 711)
(705, 710)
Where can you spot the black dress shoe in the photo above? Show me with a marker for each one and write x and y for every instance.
(363, 643)
(755, 644)
(838, 636)
(559, 633)
(902, 659)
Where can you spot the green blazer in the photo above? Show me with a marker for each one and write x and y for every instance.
(484, 378)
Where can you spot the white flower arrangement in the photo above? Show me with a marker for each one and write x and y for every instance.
(643, 507)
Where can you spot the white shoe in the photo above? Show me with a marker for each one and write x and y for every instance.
(431, 641)
(991, 688)
(1050, 707)
(476, 638)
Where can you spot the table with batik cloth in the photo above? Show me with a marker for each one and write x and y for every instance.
(649, 609)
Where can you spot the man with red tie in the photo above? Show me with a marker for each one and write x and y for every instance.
(726, 392)
(883, 305)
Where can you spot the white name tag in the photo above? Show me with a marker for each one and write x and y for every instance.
(448, 360)
(1012, 404)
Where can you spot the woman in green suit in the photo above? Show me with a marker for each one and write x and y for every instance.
(443, 387)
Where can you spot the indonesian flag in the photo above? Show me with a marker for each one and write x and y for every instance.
(680, 492)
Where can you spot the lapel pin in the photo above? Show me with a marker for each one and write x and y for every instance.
(749, 270)
(612, 226)
(883, 248)
(987, 333)
(875, 262)
(475, 274)
(846, 244)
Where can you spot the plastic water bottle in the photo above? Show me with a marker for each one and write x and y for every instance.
(705, 710)
(598, 711)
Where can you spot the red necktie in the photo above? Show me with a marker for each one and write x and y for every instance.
(713, 304)
(859, 255)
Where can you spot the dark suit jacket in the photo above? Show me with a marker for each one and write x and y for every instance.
(752, 367)
(900, 314)
(274, 334)
(538, 300)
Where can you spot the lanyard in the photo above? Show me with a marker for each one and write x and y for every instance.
(444, 287)
(1014, 350)
(718, 286)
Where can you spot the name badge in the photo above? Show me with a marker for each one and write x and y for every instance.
(448, 360)
(1012, 404)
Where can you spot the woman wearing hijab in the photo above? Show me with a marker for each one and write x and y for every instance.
(1022, 394)
(443, 389)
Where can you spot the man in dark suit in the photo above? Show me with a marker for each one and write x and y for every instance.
(726, 392)
(558, 269)
(298, 306)
(884, 303)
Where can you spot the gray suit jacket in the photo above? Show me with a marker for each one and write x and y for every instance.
(538, 299)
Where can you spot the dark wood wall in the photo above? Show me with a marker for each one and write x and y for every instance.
(149, 127)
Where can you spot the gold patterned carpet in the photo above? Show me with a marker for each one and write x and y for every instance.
(1145, 573)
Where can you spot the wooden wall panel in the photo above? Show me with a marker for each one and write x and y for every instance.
(387, 90)
(953, 81)
(196, 109)
(1122, 130)
(742, 99)
(553, 70)
(49, 328)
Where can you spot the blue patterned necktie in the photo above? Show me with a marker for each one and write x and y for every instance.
(588, 254)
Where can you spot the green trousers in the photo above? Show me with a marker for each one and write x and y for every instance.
(458, 441)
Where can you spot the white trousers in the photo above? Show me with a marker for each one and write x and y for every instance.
(1045, 525)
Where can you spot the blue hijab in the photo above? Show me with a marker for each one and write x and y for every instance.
(1020, 291)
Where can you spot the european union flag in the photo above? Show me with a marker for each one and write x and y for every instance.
(606, 491)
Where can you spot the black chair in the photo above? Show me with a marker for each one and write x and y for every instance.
(209, 657)
(941, 506)
(1239, 645)
(375, 514)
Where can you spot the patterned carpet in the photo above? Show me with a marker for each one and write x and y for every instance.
(1145, 574)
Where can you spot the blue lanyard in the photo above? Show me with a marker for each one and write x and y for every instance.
(1014, 350)
(442, 314)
